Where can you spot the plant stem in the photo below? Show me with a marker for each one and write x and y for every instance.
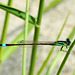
(25, 38)
(4, 32)
(36, 38)
(66, 57)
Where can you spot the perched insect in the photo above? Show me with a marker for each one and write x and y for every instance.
(56, 43)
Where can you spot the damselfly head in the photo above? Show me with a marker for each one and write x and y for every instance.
(68, 42)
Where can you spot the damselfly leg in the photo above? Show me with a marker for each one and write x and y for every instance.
(64, 49)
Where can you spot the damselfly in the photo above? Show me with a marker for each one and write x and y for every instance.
(56, 43)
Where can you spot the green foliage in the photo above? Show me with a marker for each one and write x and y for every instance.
(36, 22)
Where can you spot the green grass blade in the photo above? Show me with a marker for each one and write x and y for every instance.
(66, 57)
(36, 38)
(17, 13)
(53, 63)
(51, 51)
(59, 54)
(25, 38)
(4, 32)
(52, 4)
(6, 8)
(63, 26)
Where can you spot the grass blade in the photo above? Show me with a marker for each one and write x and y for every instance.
(25, 38)
(73, 33)
(52, 4)
(17, 13)
(6, 8)
(4, 32)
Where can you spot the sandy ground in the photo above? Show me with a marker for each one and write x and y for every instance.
(51, 24)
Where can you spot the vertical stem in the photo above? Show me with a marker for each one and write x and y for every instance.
(4, 32)
(36, 38)
(25, 38)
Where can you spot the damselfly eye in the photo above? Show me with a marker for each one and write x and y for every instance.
(68, 42)
(67, 39)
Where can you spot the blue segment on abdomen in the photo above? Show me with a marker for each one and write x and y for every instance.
(3, 45)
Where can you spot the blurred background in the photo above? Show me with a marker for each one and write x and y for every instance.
(52, 22)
